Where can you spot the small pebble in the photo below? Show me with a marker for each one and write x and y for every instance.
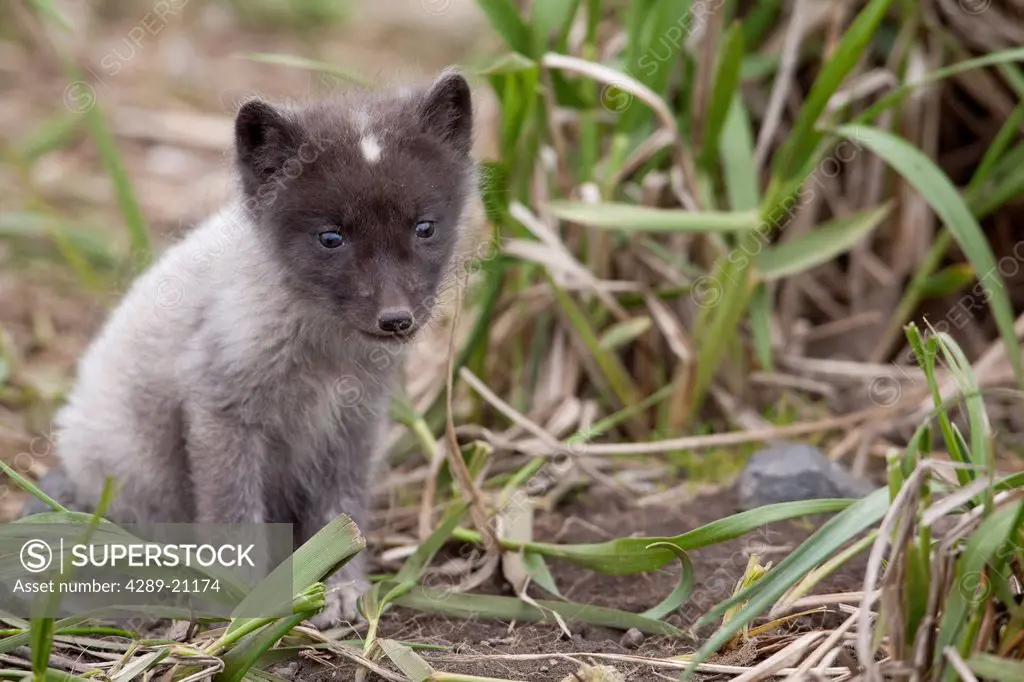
(286, 670)
(632, 638)
(543, 669)
(178, 631)
(595, 673)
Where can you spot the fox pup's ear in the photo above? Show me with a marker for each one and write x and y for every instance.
(447, 111)
(264, 140)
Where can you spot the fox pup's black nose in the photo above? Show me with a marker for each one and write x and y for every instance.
(394, 320)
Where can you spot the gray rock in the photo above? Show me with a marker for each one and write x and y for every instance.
(632, 639)
(789, 472)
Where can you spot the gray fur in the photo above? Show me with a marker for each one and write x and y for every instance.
(58, 486)
(239, 380)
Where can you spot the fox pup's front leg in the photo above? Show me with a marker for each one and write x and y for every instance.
(349, 582)
(228, 462)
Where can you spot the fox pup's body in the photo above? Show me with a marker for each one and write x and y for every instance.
(245, 376)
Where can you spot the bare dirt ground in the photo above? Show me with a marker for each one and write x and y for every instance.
(541, 651)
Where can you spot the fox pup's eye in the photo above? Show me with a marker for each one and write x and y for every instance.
(425, 229)
(331, 240)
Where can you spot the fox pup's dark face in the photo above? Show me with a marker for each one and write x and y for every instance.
(362, 198)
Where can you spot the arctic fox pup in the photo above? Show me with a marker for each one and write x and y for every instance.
(245, 376)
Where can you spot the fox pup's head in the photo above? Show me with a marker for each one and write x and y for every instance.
(361, 198)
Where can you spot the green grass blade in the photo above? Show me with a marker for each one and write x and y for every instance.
(413, 567)
(981, 431)
(894, 97)
(551, 19)
(475, 346)
(43, 629)
(540, 574)
(87, 105)
(818, 246)
(925, 351)
(630, 218)
(482, 606)
(29, 487)
(243, 656)
(412, 665)
(995, 151)
(51, 134)
(962, 605)
(995, 194)
(505, 20)
(41, 632)
(84, 241)
(996, 668)
(625, 332)
(139, 665)
(717, 326)
(9, 644)
(317, 558)
(726, 89)
(325, 552)
(914, 292)
(736, 149)
(309, 65)
(416, 669)
(131, 211)
(944, 198)
(681, 594)
(760, 325)
(804, 137)
(947, 281)
(627, 556)
(509, 63)
(48, 10)
(759, 20)
(654, 49)
(608, 363)
(376, 600)
(53, 675)
(761, 595)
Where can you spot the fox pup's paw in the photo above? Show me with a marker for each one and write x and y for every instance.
(342, 604)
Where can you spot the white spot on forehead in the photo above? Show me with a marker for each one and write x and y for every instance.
(361, 118)
(370, 148)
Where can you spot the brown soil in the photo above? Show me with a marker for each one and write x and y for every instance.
(716, 569)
